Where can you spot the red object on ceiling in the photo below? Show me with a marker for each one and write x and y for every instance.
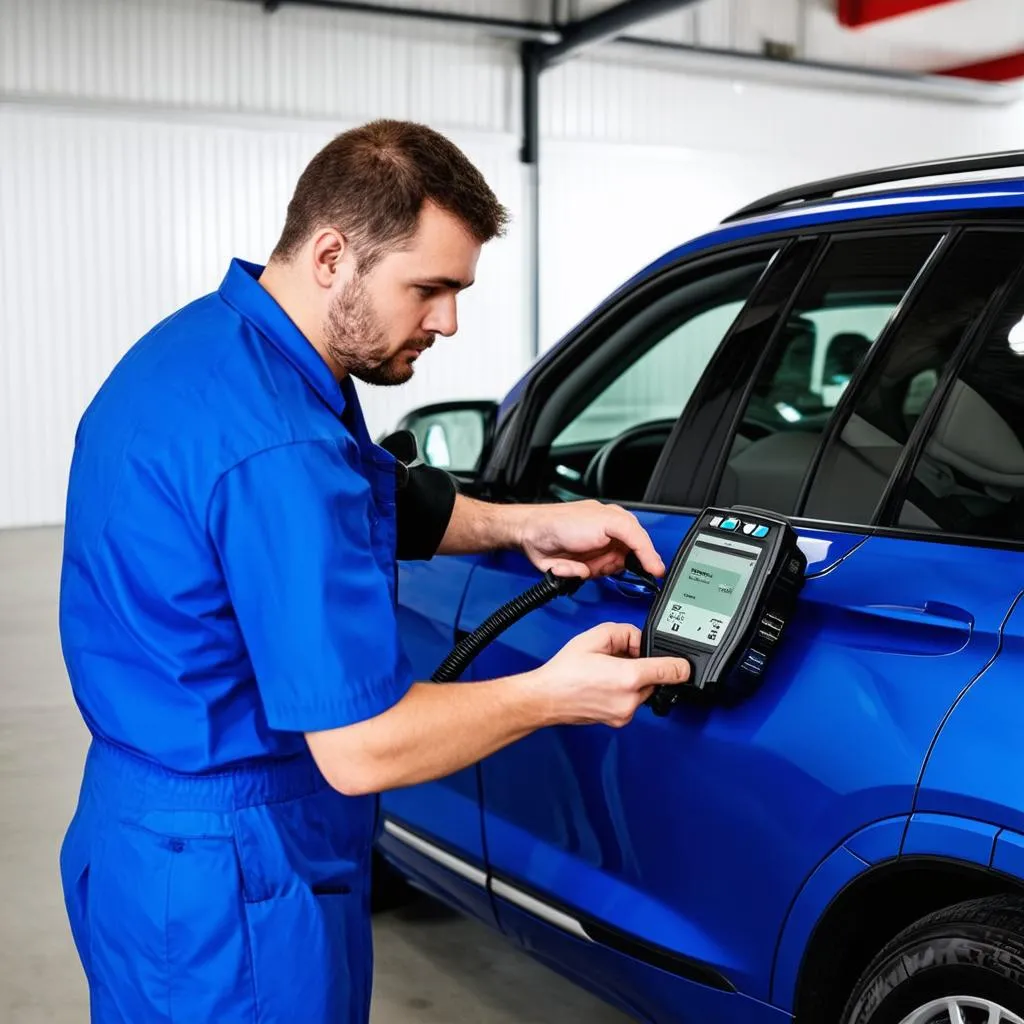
(1000, 69)
(854, 13)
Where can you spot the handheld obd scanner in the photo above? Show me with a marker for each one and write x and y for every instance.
(728, 594)
(725, 602)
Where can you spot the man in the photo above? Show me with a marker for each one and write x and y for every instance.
(227, 612)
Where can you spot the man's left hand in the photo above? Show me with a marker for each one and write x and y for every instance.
(585, 538)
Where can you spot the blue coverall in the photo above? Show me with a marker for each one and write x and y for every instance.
(227, 584)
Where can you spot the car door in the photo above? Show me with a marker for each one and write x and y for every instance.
(681, 841)
(434, 829)
(965, 486)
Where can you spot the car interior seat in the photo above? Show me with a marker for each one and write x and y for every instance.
(844, 355)
(972, 468)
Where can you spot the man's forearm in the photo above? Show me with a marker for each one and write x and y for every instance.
(435, 730)
(477, 526)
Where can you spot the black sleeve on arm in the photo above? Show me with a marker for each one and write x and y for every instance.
(423, 505)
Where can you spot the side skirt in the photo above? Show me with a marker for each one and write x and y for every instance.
(567, 919)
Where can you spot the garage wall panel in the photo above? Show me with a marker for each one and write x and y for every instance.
(227, 55)
(111, 223)
(762, 112)
(670, 153)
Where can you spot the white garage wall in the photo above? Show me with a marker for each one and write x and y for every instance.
(639, 158)
(145, 142)
(110, 223)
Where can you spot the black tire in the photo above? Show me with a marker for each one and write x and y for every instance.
(388, 889)
(973, 949)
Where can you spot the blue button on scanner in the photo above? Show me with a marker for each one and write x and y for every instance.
(730, 524)
(761, 531)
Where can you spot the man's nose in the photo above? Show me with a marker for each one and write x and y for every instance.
(442, 318)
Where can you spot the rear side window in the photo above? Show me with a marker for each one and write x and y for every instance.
(840, 313)
(899, 384)
(969, 478)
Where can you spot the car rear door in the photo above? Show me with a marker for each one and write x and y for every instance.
(965, 487)
(682, 841)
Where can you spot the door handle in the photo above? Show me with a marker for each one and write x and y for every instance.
(930, 629)
(931, 613)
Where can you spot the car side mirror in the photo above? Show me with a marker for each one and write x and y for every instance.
(454, 436)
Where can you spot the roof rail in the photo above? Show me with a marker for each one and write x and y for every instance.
(828, 187)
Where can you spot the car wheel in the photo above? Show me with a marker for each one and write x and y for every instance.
(961, 965)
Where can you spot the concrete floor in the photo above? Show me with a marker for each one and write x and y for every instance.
(432, 967)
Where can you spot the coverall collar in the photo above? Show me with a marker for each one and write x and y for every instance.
(241, 290)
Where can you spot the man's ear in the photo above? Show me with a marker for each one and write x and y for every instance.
(331, 255)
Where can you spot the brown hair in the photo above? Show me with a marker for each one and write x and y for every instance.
(371, 182)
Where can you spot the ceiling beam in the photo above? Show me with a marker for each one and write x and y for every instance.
(605, 26)
(856, 13)
(999, 69)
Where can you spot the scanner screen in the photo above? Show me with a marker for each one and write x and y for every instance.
(708, 589)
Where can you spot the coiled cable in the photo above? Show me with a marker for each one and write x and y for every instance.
(550, 587)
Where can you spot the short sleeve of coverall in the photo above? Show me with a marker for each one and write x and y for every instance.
(292, 528)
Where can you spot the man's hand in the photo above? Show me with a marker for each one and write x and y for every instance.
(580, 538)
(598, 677)
(584, 538)
(440, 728)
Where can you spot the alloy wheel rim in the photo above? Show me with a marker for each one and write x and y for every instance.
(962, 1010)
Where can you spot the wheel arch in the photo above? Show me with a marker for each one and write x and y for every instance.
(868, 909)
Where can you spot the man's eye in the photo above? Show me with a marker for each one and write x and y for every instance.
(426, 290)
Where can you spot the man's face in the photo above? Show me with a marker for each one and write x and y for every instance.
(378, 323)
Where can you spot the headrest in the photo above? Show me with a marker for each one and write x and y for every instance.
(843, 355)
(972, 437)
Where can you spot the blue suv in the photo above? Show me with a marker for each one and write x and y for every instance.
(846, 846)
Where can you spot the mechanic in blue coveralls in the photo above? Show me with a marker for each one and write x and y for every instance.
(227, 614)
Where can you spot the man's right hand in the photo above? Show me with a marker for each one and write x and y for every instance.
(437, 729)
(599, 677)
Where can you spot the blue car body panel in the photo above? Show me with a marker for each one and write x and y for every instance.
(837, 736)
(446, 811)
(985, 732)
(643, 992)
(1008, 855)
(840, 869)
(718, 838)
(880, 841)
(946, 835)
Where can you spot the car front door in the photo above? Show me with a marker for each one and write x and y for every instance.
(434, 829)
(681, 841)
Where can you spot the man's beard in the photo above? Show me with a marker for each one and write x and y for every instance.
(357, 341)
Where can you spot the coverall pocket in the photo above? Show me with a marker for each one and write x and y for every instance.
(167, 929)
(306, 917)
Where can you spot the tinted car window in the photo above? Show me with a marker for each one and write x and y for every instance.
(838, 316)
(969, 478)
(898, 385)
(616, 408)
(658, 384)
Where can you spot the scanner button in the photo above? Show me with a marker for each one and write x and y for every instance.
(730, 524)
(748, 528)
(753, 663)
(716, 521)
(761, 531)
